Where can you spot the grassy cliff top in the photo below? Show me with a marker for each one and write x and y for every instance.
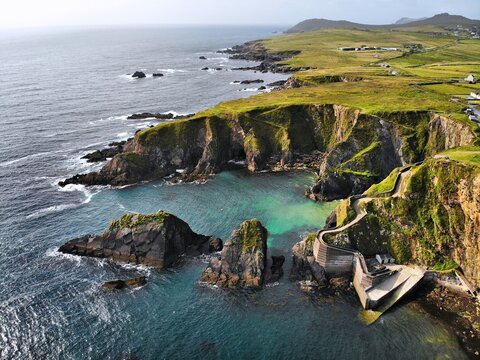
(466, 154)
(428, 73)
(251, 235)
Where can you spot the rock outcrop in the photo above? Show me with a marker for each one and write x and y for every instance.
(243, 259)
(139, 75)
(123, 284)
(304, 265)
(269, 62)
(150, 239)
(113, 149)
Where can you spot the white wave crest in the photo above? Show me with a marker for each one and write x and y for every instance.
(54, 253)
(77, 187)
(27, 157)
(122, 135)
(172, 71)
(51, 209)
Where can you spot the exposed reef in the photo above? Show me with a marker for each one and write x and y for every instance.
(123, 284)
(139, 75)
(269, 62)
(113, 149)
(150, 239)
(160, 116)
(243, 259)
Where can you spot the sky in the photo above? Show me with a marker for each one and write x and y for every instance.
(45, 13)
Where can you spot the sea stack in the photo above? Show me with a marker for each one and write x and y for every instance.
(156, 240)
(243, 258)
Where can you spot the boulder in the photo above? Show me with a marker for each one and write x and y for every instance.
(202, 58)
(243, 258)
(122, 284)
(156, 240)
(139, 75)
(277, 268)
(261, 88)
(205, 68)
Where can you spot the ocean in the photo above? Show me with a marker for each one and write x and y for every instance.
(64, 93)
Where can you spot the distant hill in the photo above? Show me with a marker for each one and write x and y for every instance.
(443, 20)
(318, 24)
(406, 20)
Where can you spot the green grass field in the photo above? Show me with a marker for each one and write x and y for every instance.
(445, 61)
(426, 80)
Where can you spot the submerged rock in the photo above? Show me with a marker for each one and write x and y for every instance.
(122, 284)
(243, 259)
(276, 268)
(202, 58)
(139, 75)
(157, 75)
(156, 240)
(247, 82)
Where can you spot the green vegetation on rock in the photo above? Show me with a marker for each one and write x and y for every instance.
(251, 235)
(133, 220)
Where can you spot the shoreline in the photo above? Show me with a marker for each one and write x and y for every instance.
(459, 312)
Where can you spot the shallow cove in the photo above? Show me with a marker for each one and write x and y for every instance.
(52, 306)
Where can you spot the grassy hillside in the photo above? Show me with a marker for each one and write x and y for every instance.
(428, 66)
(425, 80)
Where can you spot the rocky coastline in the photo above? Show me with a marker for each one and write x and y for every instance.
(269, 62)
(457, 311)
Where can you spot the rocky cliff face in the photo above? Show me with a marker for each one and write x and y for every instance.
(243, 259)
(434, 222)
(376, 145)
(151, 239)
(358, 150)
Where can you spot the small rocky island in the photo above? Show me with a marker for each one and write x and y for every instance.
(243, 259)
(156, 240)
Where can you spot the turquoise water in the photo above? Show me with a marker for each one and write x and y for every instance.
(58, 310)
